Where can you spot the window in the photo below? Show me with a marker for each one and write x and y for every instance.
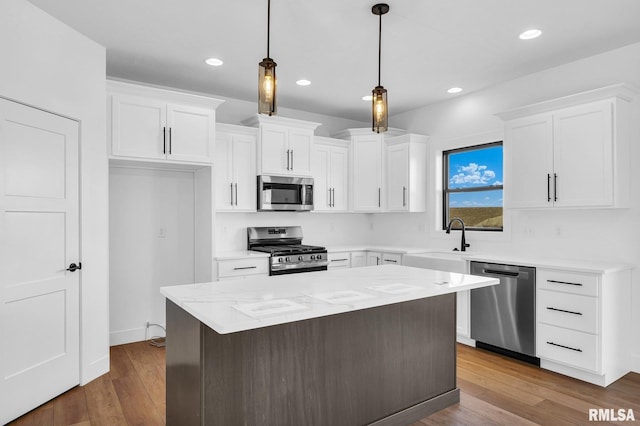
(472, 187)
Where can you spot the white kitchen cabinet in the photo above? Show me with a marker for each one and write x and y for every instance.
(284, 145)
(242, 267)
(569, 152)
(235, 168)
(406, 159)
(150, 124)
(367, 171)
(583, 323)
(339, 259)
(329, 167)
(374, 258)
(358, 259)
(382, 258)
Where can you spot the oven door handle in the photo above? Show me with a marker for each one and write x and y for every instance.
(283, 267)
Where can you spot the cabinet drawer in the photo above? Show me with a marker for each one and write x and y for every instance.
(240, 267)
(569, 282)
(339, 260)
(391, 259)
(568, 310)
(568, 347)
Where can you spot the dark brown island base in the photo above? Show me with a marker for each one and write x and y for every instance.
(385, 365)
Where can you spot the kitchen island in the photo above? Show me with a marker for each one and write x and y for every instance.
(372, 345)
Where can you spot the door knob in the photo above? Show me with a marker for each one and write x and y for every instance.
(73, 267)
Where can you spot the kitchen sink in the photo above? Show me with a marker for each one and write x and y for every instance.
(450, 261)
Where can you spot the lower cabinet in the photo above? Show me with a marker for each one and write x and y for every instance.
(240, 268)
(381, 258)
(358, 259)
(339, 260)
(583, 323)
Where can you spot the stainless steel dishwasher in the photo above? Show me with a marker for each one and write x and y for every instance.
(503, 317)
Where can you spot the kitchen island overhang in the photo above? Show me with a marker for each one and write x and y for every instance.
(372, 345)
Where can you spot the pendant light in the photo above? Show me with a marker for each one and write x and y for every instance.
(379, 110)
(267, 77)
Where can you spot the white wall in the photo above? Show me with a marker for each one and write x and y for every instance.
(49, 65)
(608, 234)
(325, 229)
(151, 227)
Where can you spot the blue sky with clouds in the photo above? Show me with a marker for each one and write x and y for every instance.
(472, 169)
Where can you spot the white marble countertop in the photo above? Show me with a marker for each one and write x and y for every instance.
(232, 306)
(239, 254)
(576, 265)
(385, 249)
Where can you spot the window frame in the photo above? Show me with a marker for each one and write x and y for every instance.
(446, 190)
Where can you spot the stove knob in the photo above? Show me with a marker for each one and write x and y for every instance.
(279, 260)
(300, 258)
(319, 257)
(287, 259)
(313, 257)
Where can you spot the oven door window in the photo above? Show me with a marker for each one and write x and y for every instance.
(279, 193)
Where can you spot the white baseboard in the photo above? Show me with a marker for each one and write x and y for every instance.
(133, 335)
(94, 369)
(466, 340)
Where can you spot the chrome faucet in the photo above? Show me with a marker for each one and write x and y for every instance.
(463, 241)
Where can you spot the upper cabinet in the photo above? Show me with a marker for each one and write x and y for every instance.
(406, 157)
(329, 167)
(160, 125)
(284, 145)
(388, 171)
(235, 168)
(569, 152)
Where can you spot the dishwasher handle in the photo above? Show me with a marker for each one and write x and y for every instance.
(501, 273)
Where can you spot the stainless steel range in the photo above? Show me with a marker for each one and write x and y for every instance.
(288, 254)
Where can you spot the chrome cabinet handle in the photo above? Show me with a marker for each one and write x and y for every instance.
(170, 140)
(288, 159)
(555, 187)
(236, 188)
(563, 310)
(379, 197)
(291, 159)
(231, 187)
(339, 260)
(391, 260)
(563, 282)
(244, 267)
(548, 188)
(564, 347)
(404, 196)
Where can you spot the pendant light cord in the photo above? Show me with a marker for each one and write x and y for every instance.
(379, 46)
(268, 25)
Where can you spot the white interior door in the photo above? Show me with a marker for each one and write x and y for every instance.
(39, 239)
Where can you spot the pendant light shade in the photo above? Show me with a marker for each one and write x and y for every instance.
(379, 106)
(267, 77)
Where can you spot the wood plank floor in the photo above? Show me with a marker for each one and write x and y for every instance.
(495, 390)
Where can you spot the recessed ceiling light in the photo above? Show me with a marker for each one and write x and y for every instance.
(454, 90)
(530, 34)
(214, 62)
(367, 98)
(303, 82)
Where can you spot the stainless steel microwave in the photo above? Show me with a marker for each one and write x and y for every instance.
(285, 193)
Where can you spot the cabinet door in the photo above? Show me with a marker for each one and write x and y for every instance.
(340, 178)
(191, 132)
(374, 258)
(529, 166)
(321, 169)
(367, 173)
(223, 172)
(244, 172)
(137, 127)
(300, 144)
(358, 259)
(274, 150)
(583, 155)
(398, 177)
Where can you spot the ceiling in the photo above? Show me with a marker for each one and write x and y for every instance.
(428, 46)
